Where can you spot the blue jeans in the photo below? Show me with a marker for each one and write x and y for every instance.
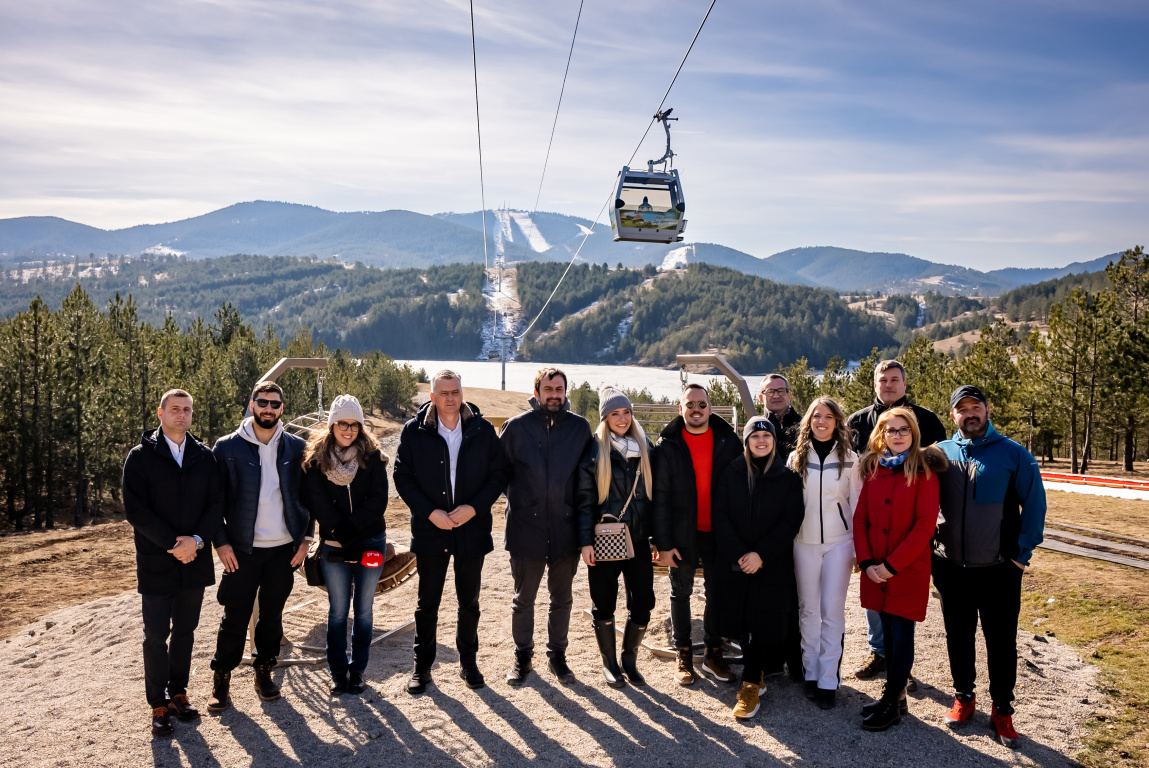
(899, 636)
(875, 634)
(339, 578)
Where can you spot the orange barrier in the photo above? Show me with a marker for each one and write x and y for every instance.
(1103, 482)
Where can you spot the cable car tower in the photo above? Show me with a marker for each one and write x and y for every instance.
(648, 205)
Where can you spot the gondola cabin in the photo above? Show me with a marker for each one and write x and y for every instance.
(648, 207)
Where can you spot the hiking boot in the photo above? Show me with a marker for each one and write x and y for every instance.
(470, 674)
(518, 674)
(911, 684)
(684, 670)
(748, 702)
(796, 670)
(182, 708)
(558, 665)
(162, 724)
(418, 681)
(811, 690)
(604, 634)
(714, 665)
(962, 709)
(632, 636)
(220, 687)
(338, 684)
(903, 705)
(1003, 727)
(355, 683)
(887, 713)
(874, 664)
(827, 698)
(264, 685)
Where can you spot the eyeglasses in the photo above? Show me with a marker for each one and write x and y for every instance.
(774, 392)
(273, 404)
(348, 426)
(701, 405)
(899, 432)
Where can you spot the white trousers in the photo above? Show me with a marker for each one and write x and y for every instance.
(823, 574)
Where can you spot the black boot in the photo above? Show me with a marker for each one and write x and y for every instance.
(903, 706)
(338, 684)
(632, 636)
(264, 685)
(220, 687)
(518, 674)
(558, 665)
(355, 683)
(887, 713)
(604, 633)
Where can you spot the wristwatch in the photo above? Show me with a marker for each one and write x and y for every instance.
(198, 542)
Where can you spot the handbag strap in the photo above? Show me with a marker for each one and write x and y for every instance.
(637, 476)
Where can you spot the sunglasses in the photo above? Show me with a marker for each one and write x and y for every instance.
(348, 426)
(899, 432)
(273, 404)
(701, 405)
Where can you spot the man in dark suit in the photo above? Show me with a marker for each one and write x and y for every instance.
(173, 497)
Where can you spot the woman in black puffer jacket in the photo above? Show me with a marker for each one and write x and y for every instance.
(345, 488)
(614, 480)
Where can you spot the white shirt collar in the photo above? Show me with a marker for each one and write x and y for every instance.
(177, 450)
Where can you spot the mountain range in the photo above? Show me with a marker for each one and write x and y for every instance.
(398, 239)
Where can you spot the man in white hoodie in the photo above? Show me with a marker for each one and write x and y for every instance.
(264, 537)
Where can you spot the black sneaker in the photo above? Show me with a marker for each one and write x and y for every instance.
(418, 682)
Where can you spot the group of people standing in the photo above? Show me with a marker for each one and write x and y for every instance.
(775, 519)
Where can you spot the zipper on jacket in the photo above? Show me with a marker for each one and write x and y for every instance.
(821, 521)
(843, 516)
(964, 506)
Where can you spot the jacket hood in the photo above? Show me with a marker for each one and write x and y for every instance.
(935, 459)
(902, 402)
(537, 407)
(991, 436)
(247, 432)
(717, 423)
(428, 417)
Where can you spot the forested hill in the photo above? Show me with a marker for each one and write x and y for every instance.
(757, 323)
(1033, 302)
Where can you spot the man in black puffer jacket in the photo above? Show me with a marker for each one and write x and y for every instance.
(542, 448)
(449, 471)
(264, 538)
(692, 454)
(173, 497)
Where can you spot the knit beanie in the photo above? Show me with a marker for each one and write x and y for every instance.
(757, 424)
(611, 399)
(345, 407)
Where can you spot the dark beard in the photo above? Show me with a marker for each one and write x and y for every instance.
(977, 431)
(552, 406)
(266, 423)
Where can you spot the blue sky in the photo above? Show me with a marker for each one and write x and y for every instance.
(985, 134)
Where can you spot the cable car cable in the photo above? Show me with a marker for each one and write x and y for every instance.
(635, 154)
(479, 133)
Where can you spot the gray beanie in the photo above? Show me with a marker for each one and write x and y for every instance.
(611, 399)
(345, 407)
(757, 424)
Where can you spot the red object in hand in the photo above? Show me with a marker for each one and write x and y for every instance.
(371, 559)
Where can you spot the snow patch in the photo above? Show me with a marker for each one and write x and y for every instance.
(677, 257)
(162, 250)
(535, 238)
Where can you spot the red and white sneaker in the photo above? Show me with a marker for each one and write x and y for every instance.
(1003, 727)
(962, 710)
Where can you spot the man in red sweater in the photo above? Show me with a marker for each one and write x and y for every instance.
(692, 451)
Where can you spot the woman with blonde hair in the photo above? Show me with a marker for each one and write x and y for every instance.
(614, 481)
(893, 525)
(345, 488)
(824, 548)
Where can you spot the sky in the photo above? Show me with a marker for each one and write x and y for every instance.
(986, 134)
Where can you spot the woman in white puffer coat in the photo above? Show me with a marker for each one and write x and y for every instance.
(824, 547)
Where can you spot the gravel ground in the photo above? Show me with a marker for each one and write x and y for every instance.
(74, 696)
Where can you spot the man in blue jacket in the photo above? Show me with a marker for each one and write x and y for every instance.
(992, 517)
(263, 539)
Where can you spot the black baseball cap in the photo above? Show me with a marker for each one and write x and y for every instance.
(964, 391)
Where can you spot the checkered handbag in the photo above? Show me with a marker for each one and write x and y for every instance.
(612, 540)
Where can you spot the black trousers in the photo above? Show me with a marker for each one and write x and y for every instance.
(638, 577)
(432, 579)
(682, 586)
(168, 666)
(268, 572)
(756, 655)
(992, 593)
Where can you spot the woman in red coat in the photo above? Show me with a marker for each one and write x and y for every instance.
(893, 524)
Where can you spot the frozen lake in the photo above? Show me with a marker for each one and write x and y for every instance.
(521, 376)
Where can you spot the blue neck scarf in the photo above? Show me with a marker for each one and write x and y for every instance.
(889, 460)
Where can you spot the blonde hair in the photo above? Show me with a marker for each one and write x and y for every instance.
(751, 470)
(321, 447)
(915, 460)
(800, 458)
(602, 466)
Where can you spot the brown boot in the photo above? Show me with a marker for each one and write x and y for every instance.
(684, 673)
(716, 666)
(264, 685)
(181, 707)
(220, 687)
(162, 722)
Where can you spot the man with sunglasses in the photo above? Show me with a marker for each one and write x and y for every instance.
(263, 539)
(692, 452)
